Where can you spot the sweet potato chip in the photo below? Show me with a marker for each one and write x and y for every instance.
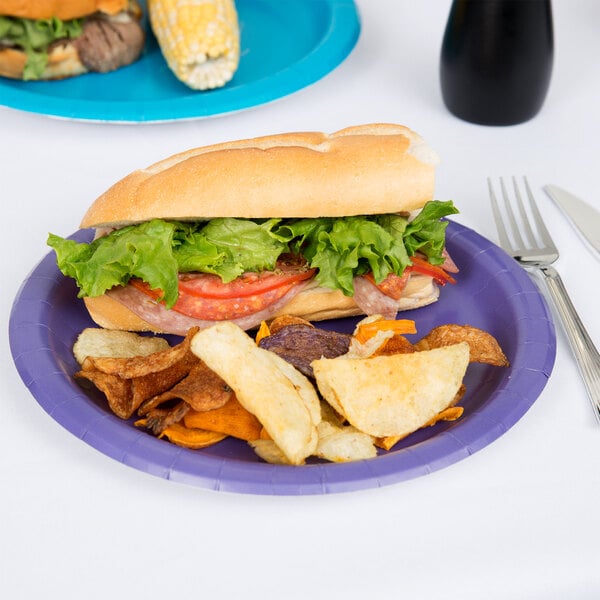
(370, 327)
(483, 347)
(395, 345)
(452, 413)
(263, 332)
(231, 418)
(191, 438)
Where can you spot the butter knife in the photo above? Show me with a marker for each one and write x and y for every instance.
(583, 216)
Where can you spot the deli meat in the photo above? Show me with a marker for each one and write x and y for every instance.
(164, 319)
(372, 301)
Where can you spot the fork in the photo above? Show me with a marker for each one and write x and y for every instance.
(537, 253)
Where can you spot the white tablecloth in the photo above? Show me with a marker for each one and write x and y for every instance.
(518, 519)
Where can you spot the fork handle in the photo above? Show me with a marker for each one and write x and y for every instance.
(586, 354)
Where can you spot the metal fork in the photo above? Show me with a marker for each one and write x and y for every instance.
(537, 253)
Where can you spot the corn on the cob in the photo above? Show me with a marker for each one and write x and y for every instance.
(199, 39)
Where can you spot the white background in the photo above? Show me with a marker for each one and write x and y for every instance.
(519, 519)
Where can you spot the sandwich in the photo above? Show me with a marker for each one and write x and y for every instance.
(306, 224)
(54, 39)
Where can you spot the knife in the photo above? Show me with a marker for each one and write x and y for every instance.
(584, 217)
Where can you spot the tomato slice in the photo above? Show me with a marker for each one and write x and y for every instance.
(219, 309)
(204, 296)
(249, 284)
(393, 285)
(420, 265)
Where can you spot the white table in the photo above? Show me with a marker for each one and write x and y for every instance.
(518, 519)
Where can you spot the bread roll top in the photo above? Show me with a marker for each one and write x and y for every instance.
(63, 9)
(366, 169)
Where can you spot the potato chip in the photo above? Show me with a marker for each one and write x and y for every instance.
(219, 383)
(339, 442)
(151, 384)
(140, 366)
(393, 395)
(201, 389)
(118, 391)
(158, 419)
(281, 398)
(270, 452)
(452, 413)
(98, 342)
(128, 382)
(484, 348)
(343, 443)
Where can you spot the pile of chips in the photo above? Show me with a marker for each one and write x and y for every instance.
(310, 394)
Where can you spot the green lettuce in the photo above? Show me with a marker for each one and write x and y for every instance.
(34, 36)
(144, 251)
(229, 247)
(340, 249)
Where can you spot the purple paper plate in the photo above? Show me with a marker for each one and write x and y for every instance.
(492, 293)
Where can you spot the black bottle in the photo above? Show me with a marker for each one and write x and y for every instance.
(496, 59)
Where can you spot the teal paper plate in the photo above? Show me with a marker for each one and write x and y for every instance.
(285, 46)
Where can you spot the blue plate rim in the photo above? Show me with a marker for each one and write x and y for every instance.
(342, 34)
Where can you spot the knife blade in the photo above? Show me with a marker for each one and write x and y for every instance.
(584, 217)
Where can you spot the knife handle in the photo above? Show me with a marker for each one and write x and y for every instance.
(586, 354)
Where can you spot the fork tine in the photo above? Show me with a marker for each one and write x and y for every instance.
(539, 222)
(524, 219)
(502, 233)
(511, 216)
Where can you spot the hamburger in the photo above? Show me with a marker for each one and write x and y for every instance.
(54, 39)
(307, 224)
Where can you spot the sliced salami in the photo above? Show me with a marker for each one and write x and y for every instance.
(164, 319)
